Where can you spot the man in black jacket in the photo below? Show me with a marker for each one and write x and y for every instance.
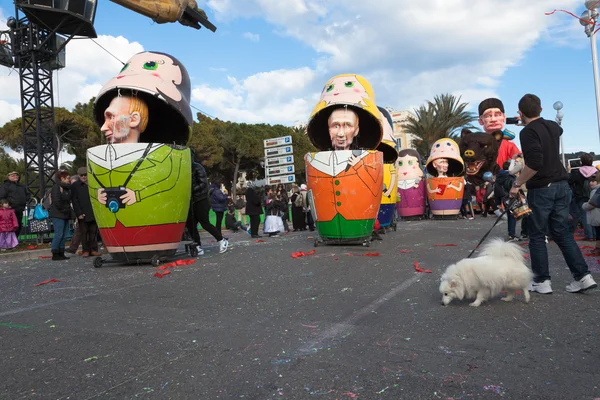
(549, 196)
(88, 228)
(253, 208)
(199, 209)
(17, 196)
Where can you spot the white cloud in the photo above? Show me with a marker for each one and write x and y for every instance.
(88, 68)
(409, 50)
(253, 37)
(274, 97)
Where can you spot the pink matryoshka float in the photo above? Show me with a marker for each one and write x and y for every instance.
(445, 188)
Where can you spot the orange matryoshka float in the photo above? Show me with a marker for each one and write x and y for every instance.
(445, 188)
(345, 178)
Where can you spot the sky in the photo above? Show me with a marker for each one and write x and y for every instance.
(269, 59)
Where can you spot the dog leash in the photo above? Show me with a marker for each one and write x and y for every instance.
(486, 235)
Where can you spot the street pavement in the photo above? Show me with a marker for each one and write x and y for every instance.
(256, 323)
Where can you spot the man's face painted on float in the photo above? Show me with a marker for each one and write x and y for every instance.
(152, 71)
(441, 166)
(118, 121)
(492, 120)
(343, 128)
(409, 167)
(344, 89)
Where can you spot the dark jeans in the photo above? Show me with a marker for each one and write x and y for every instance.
(19, 215)
(219, 224)
(88, 232)
(550, 206)
(466, 208)
(200, 210)
(524, 229)
(254, 224)
(309, 221)
(512, 224)
(577, 213)
(61, 230)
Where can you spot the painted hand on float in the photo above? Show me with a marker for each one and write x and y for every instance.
(129, 197)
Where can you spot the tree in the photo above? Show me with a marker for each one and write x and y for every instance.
(436, 120)
(204, 141)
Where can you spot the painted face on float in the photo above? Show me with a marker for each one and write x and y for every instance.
(343, 128)
(343, 89)
(125, 119)
(493, 119)
(445, 148)
(151, 70)
(441, 166)
(409, 168)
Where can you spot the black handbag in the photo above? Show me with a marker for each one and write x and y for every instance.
(38, 225)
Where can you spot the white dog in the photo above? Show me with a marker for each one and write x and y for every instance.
(500, 267)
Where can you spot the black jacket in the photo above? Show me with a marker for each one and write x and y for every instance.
(504, 182)
(253, 202)
(199, 183)
(540, 141)
(16, 194)
(61, 201)
(80, 197)
(577, 181)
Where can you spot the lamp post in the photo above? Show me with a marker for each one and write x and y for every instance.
(588, 20)
(559, 116)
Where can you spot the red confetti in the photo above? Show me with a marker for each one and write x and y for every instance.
(31, 247)
(159, 275)
(259, 241)
(417, 268)
(48, 281)
(44, 256)
(526, 256)
(303, 254)
(579, 237)
(586, 247)
(525, 244)
(591, 254)
(405, 251)
(376, 254)
(338, 259)
(444, 245)
(185, 262)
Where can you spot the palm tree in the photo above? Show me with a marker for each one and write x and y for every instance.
(436, 120)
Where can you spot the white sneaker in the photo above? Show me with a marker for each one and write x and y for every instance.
(200, 251)
(542, 287)
(585, 283)
(223, 245)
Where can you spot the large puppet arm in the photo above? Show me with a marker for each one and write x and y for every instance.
(393, 185)
(431, 190)
(167, 182)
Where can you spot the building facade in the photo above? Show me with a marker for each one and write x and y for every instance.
(404, 139)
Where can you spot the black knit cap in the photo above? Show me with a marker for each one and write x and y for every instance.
(492, 102)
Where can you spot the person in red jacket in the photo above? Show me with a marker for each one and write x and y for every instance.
(8, 226)
(492, 118)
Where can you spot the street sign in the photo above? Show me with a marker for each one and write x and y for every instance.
(273, 162)
(278, 141)
(275, 180)
(285, 169)
(279, 151)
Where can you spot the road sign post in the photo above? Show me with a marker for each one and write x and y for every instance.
(279, 160)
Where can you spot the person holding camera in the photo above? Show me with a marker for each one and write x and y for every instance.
(549, 196)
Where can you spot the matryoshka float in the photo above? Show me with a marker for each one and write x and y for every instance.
(445, 188)
(345, 178)
(390, 177)
(411, 185)
(140, 181)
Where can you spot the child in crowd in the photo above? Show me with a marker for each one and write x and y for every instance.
(593, 211)
(8, 226)
(502, 186)
(274, 211)
(230, 221)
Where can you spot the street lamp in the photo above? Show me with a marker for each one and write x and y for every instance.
(559, 116)
(588, 20)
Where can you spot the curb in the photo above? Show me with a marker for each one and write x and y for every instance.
(25, 255)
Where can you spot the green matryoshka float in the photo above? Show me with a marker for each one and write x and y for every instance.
(140, 181)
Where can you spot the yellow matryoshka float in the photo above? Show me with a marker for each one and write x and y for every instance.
(390, 177)
(345, 178)
(445, 188)
(140, 181)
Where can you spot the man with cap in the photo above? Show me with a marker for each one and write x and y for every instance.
(17, 196)
(492, 118)
(80, 198)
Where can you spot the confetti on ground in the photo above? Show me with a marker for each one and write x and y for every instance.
(44, 256)
(405, 251)
(310, 326)
(376, 254)
(31, 247)
(444, 245)
(496, 389)
(471, 367)
(586, 247)
(526, 256)
(47, 281)
(259, 241)
(350, 395)
(160, 275)
(346, 289)
(419, 269)
(91, 358)
(299, 254)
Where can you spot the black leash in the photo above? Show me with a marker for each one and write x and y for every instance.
(486, 235)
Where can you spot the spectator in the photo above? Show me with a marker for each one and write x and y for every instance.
(8, 226)
(593, 213)
(231, 223)
(88, 228)
(580, 185)
(218, 202)
(253, 208)
(504, 182)
(60, 213)
(17, 196)
(549, 197)
(240, 209)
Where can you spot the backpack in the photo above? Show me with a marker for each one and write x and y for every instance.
(299, 202)
(587, 190)
(47, 200)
